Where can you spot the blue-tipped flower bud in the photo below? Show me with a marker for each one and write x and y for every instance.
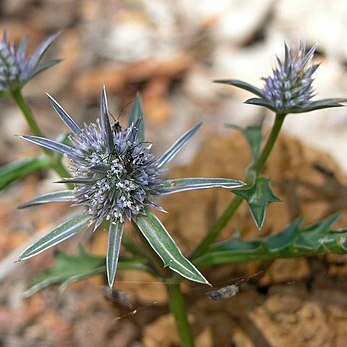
(290, 85)
(289, 89)
(15, 68)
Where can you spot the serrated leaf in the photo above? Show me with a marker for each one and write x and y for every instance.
(311, 237)
(258, 196)
(137, 114)
(243, 85)
(59, 234)
(293, 241)
(163, 244)
(20, 168)
(185, 184)
(71, 268)
(254, 137)
(67, 266)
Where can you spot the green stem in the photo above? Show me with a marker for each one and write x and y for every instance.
(175, 297)
(17, 96)
(217, 227)
(229, 212)
(24, 107)
(178, 309)
(259, 165)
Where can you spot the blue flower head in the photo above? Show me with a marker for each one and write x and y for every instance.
(117, 178)
(289, 89)
(15, 68)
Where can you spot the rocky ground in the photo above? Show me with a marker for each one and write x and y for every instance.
(170, 52)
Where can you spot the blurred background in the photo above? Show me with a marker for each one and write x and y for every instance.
(171, 51)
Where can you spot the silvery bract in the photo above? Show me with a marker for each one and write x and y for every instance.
(117, 178)
(289, 89)
(15, 68)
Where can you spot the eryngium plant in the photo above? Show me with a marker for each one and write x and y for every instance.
(289, 89)
(116, 178)
(15, 68)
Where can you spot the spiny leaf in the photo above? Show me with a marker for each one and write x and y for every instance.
(115, 234)
(243, 85)
(169, 154)
(50, 144)
(163, 244)
(184, 184)
(60, 196)
(293, 241)
(64, 116)
(137, 114)
(260, 102)
(105, 122)
(57, 235)
(254, 137)
(258, 196)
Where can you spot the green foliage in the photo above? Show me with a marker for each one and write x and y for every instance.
(294, 241)
(137, 113)
(163, 244)
(258, 196)
(254, 137)
(19, 169)
(71, 268)
(61, 233)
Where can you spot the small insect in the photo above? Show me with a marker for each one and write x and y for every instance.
(230, 290)
(223, 293)
(119, 297)
(115, 127)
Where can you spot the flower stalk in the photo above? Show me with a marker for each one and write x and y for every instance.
(28, 115)
(179, 311)
(235, 203)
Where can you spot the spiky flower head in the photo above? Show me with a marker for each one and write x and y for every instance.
(289, 89)
(116, 178)
(15, 68)
(290, 85)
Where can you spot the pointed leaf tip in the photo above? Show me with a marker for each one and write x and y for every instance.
(163, 244)
(137, 116)
(105, 122)
(177, 146)
(113, 250)
(57, 235)
(64, 116)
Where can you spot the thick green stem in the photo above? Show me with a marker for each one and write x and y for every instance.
(24, 107)
(179, 311)
(236, 202)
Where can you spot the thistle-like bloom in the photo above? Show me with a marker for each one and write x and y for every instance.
(289, 89)
(116, 178)
(15, 68)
